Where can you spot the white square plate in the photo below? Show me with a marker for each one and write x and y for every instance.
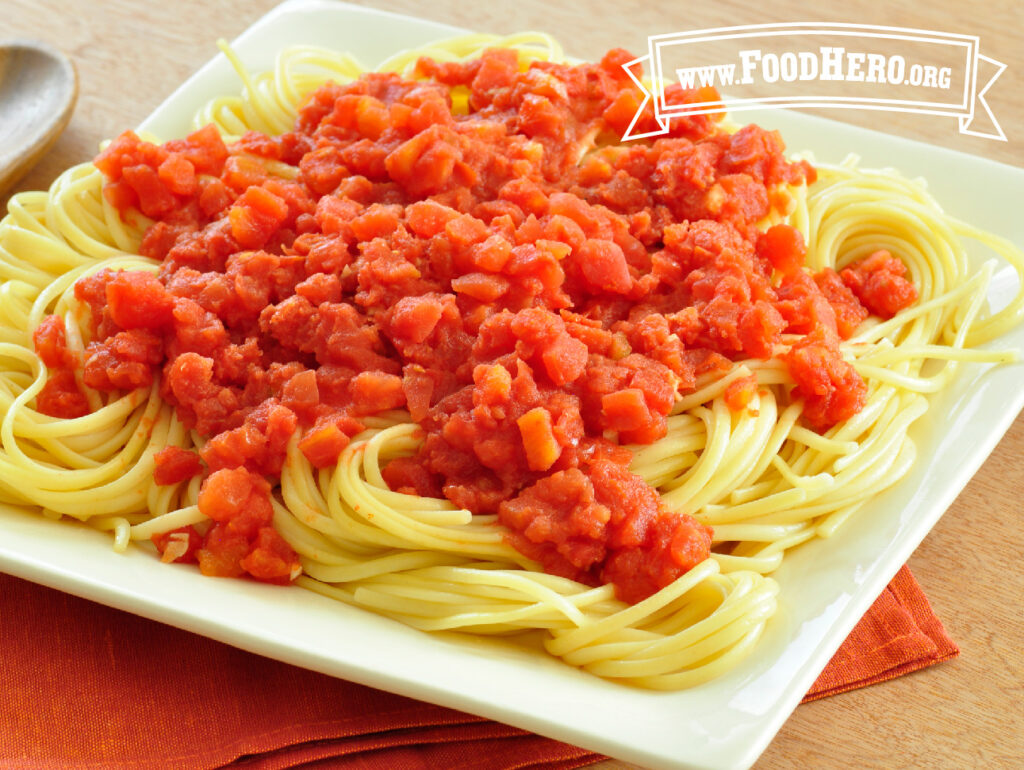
(826, 585)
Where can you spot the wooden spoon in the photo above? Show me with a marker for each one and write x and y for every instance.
(38, 89)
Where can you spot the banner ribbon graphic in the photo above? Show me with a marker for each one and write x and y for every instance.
(819, 65)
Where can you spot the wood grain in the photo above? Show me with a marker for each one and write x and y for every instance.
(962, 714)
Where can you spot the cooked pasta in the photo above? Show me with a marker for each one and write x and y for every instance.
(758, 476)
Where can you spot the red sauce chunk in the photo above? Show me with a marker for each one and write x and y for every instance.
(174, 464)
(533, 294)
(61, 395)
(605, 526)
(242, 539)
(879, 283)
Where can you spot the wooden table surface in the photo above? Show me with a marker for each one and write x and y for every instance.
(965, 713)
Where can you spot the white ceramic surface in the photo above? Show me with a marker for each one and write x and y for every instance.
(826, 585)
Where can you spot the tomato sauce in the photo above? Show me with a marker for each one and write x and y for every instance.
(534, 294)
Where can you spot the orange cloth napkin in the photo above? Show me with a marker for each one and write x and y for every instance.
(87, 686)
(899, 634)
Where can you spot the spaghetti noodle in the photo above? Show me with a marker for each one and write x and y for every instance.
(756, 475)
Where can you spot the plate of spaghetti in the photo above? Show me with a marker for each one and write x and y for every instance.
(461, 397)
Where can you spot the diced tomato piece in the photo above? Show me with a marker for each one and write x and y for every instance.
(558, 522)
(138, 300)
(849, 311)
(242, 172)
(492, 254)
(238, 498)
(493, 385)
(424, 164)
(604, 266)
(419, 391)
(783, 247)
(320, 287)
(214, 196)
(428, 218)
(625, 410)
(260, 145)
(271, 559)
(174, 464)
(623, 109)
(258, 444)
(376, 392)
(204, 149)
(255, 216)
(482, 287)
(322, 169)
(414, 318)
(564, 359)
(675, 544)
(740, 392)
(323, 445)
(759, 329)
(375, 222)
(465, 230)
(878, 282)
(830, 386)
(120, 195)
(539, 442)
(333, 214)
(405, 474)
(124, 361)
(50, 341)
(301, 395)
(496, 70)
(155, 199)
(178, 175)
(61, 396)
(539, 117)
(112, 159)
(222, 552)
(295, 196)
